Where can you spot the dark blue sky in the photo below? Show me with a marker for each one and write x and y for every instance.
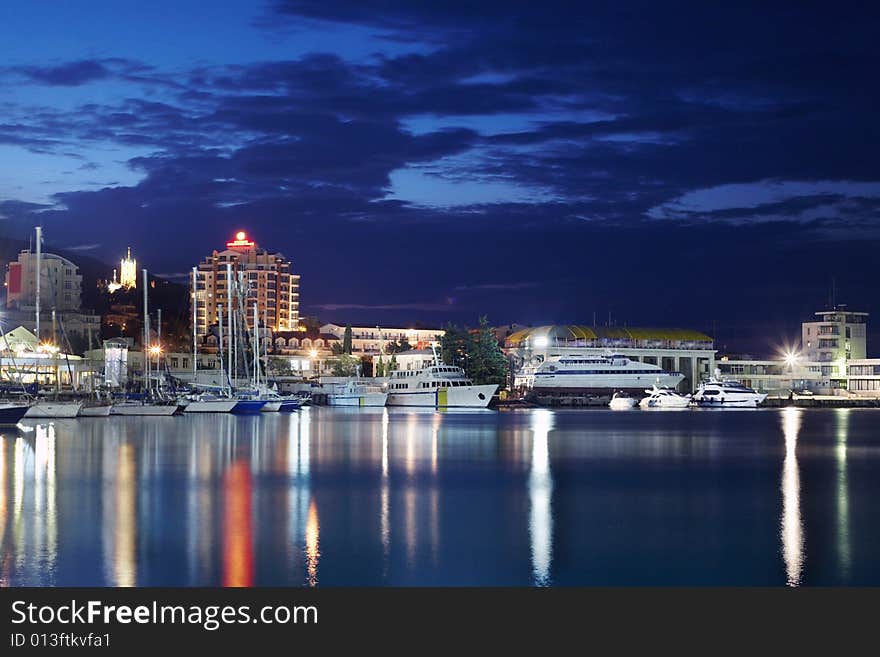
(676, 164)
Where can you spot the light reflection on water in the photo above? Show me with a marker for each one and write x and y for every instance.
(792, 527)
(330, 497)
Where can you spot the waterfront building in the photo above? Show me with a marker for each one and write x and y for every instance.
(60, 282)
(838, 334)
(833, 347)
(24, 361)
(368, 340)
(863, 377)
(777, 377)
(174, 363)
(675, 350)
(269, 275)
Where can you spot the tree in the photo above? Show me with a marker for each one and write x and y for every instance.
(456, 346)
(488, 364)
(392, 365)
(380, 366)
(279, 366)
(346, 340)
(337, 349)
(394, 347)
(346, 365)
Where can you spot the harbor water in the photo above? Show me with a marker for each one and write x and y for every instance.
(400, 497)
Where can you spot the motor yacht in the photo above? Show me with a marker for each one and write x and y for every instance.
(621, 400)
(664, 398)
(726, 394)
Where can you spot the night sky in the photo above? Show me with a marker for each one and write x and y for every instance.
(669, 163)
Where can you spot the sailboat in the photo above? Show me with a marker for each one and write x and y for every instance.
(207, 401)
(48, 408)
(149, 404)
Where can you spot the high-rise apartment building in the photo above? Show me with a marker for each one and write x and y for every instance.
(268, 277)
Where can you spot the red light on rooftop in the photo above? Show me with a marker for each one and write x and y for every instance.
(240, 241)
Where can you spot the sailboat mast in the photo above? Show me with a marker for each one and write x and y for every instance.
(146, 336)
(229, 311)
(195, 328)
(220, 350)
(38, 277)
(256, 347)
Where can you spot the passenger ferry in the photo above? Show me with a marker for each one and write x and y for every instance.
(440, 386)
(719, 393)
(600, 375)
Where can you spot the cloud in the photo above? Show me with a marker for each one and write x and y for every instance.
(772, 200)
(83, 247)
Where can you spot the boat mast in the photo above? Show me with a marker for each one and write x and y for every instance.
(220, 350)
(255, 347)
(146, 336)
(229, 311)
(195, 330)
(39, 253)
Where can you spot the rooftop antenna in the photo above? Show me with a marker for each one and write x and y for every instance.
(833, 293)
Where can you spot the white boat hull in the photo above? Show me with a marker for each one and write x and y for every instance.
(602, 384)
(730, 402)
(144, 409)
(360, 400)
(462, 397)
(271, 407)
(47, 409)
(211, 406)
(95, 411)
(622, 403)
(666, 403)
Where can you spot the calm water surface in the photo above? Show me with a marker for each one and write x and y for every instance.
(332, 497)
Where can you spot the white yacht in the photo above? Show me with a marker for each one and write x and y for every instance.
(719, 393)
(599, 375)
(664, 398)
(54, 409)
(356, 393)
(134, 407)
(439, 386)
(209, 402)
(621, 400)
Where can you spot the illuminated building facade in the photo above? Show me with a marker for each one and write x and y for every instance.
(128, 272)
(269, 278)
(838, 334)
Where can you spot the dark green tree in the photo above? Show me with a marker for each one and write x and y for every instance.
(337, 349)
(397, 347)
(487, 362)
(346, 340)
(345, 365)
(456, 346)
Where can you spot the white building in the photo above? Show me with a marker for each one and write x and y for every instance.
(832, 349)
(60, 283)
(863, 377)
(837, 335)
(371, 339)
